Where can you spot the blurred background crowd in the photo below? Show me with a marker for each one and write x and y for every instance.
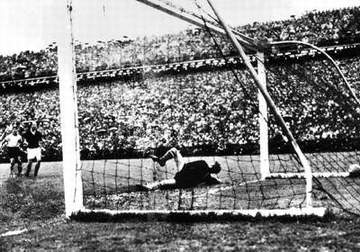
(201, 113)
(341, 26)
(212, 110)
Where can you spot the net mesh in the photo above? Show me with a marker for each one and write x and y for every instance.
(209, 110)
(324, 119)
(207, 117)
(212, 114)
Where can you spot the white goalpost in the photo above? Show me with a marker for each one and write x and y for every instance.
(68, 113)
(263, 118)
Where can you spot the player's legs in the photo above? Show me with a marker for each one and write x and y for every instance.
(178, 158)
(176, 155)
(173, 153)
(12, 164)
(28, 167)
(38, 161)
(12, 155)
(18, 161)
(31, 157)
(34, 154)
(37, 167)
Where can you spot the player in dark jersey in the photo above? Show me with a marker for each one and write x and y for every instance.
(189, 174)
(33, 138)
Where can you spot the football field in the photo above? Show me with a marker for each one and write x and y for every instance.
(32, 217)
(110, 184)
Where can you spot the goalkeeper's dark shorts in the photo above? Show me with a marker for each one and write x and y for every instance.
(13, 152)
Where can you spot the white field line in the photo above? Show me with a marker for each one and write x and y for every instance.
(15, 232)
(302, 175)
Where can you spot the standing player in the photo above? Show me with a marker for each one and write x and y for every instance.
(189, 174)
(13, 142)
(33, 138)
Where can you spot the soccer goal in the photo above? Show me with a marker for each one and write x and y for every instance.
(268, 125)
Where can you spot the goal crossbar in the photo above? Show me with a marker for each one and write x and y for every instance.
(245, 40)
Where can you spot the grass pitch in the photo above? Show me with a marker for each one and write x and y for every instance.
(110, 184)
(36, 208)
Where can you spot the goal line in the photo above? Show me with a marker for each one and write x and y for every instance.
(241, 214)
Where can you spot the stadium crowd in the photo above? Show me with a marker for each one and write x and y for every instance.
(316, 27)
(341, 26)
(201, 112)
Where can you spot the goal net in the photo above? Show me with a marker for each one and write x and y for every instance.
(324, 117)
(289, 159)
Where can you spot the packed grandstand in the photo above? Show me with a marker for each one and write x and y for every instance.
(133, 93)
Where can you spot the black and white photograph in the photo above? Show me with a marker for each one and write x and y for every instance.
(180, 125)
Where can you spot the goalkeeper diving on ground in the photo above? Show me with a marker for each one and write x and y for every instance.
(189, 174)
